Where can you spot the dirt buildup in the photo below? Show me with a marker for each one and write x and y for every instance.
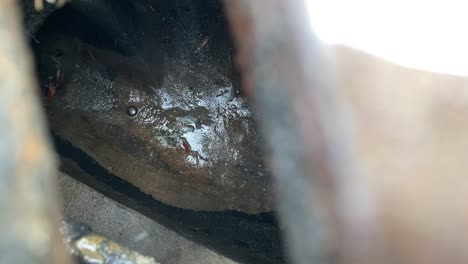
(192, 142)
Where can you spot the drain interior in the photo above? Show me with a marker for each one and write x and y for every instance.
(144, 105)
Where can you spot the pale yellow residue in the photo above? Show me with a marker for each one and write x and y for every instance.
(89, 248)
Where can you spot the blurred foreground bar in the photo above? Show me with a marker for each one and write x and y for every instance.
(28, 204)
(369, 157)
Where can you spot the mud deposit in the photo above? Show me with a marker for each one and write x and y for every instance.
(192, 142)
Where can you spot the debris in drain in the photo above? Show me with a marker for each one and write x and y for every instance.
(90, 247)
(132, 111)
(182, 132)
(186, 146)
(173, 99)
(54, 85)
(203, 43)
(51, 90)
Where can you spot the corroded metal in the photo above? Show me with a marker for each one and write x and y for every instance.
(28, 204)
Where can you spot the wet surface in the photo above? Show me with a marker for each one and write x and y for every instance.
(150, 95)
(240, 236)
(87, 210)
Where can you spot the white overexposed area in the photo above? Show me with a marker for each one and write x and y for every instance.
(425, 34)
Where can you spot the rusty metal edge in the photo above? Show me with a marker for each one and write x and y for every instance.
(28, 198)
(284, 70)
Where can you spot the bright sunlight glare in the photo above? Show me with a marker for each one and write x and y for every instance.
(424, 34)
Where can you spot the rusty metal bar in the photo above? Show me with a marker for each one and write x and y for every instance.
(383, 182)
(283, 66)
(28, 204)
(28, 198)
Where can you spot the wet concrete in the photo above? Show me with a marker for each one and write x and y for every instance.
(105, 216)
(192, 143)
(240, 236)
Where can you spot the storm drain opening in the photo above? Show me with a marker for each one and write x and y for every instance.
(144, 105)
